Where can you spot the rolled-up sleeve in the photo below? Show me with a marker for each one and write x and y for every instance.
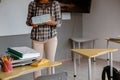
(58, 17)
(30, 14)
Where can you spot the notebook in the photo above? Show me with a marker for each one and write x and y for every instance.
(41, 19)
(23, 52)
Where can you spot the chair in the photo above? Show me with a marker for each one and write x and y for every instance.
(56, 76)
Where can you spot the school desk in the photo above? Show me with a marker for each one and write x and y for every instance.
(77, 43)
(91, 53)
(18, 71)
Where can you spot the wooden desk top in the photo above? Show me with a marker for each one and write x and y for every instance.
(25, 69)
(113, 40)
(90, 53)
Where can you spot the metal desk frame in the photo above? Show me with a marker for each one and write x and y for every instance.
(80, 41)
(92, 53)
(108, 41)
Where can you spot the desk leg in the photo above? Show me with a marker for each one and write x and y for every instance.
(74, 46)
(111, 66)
(53, 70)
(79, 46)
(89, 68)
(94, 59)
(75, 73)
(108, 56)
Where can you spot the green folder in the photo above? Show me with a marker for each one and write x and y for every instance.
(13, 55)
(15, 52)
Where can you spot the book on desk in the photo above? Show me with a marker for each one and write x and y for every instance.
(22, 55)
(23, 52)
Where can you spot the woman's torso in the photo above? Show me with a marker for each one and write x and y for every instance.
(43, 32)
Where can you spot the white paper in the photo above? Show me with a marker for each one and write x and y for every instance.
(66, 16)
(41, 19)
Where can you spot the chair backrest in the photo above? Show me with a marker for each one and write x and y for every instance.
(56, 76)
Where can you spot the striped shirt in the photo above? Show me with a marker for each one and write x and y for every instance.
(44, 32)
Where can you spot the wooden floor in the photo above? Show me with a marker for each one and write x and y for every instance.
(82, 70)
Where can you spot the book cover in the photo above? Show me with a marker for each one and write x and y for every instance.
(41, 19)
(14, 52)
(23, 52)
(13, 55)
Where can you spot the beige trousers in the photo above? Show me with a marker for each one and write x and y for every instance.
(46, 49)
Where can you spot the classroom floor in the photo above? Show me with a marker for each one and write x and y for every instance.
(82, 70)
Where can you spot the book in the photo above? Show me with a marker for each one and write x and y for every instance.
(16, 57)
(17, 61)
(23, 52)
(21, 62)
(13, 55)
(41, 19)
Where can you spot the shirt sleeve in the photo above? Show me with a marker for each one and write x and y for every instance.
(58, 18)
(30, 14)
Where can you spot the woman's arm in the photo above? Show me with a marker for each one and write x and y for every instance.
(57, 20)
(30, 14)
(58, 16)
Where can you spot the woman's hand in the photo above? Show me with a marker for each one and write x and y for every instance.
(51, 23)
(35, 25)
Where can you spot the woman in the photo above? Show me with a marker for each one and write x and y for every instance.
(44, 36)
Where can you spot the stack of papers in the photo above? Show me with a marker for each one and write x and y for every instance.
(22, 52)
(41, 19)
(22, 62)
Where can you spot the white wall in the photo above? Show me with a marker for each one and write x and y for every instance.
(13, 14)
(103, 22)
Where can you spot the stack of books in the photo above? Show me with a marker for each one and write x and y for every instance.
(22, 55)
(22, 52)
